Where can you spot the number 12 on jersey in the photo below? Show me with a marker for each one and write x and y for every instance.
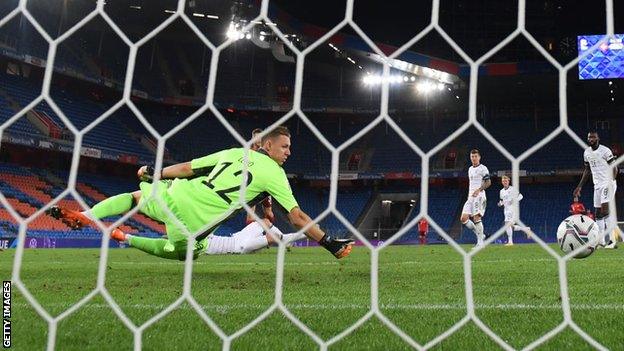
(223, 193)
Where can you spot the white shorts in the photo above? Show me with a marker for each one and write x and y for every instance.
(509, 215)
(475, 205)
(235, 244)
(604, 193)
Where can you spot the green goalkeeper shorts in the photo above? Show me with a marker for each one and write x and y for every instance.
(150, 206)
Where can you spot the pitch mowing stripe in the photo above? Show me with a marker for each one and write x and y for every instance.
(425, 307)
(326, 263)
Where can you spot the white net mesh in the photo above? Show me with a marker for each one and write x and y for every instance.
(278, 304)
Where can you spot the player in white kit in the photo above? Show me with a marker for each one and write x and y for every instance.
(252, 238)
(479, 180)
(597, 160)
(507, 195)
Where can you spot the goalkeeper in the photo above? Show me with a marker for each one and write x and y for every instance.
(204, 192)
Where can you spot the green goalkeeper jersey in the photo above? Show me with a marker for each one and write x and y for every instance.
(213, 195)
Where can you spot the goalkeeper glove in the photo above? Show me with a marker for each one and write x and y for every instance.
(338, 247)
(148, 175)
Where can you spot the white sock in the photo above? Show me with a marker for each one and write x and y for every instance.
(292, 237)
(254, 244)
(277, 233)
(221, 245)
(509, 231)
(519, 228)
(479, 231)
(469, 225)
(601, 230)
(607, 224)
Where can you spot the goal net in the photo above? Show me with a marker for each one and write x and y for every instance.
(298, 54)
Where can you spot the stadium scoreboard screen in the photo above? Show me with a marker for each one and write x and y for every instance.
(606, 62)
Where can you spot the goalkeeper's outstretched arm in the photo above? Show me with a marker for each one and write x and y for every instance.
(198, 166)
(338, 247)
(300, 219)
(180, 170)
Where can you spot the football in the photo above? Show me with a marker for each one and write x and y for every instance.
(576, 231)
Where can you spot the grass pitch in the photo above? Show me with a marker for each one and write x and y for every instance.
(421, 290)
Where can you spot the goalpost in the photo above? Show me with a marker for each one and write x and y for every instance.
(278, 304)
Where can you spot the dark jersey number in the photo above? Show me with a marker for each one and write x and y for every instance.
(223, 193)
(223, 167)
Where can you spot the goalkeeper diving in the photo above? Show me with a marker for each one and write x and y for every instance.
(203, 193)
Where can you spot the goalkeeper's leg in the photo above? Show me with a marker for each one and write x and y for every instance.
(112, 206)
(116, 205)
(164, 248)
(122, 203)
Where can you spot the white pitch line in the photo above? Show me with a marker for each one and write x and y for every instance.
(423, 307)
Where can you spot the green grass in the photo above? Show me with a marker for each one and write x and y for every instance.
(421, 290)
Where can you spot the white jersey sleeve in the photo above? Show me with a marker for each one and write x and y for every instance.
(607, 155)
(485, 173)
